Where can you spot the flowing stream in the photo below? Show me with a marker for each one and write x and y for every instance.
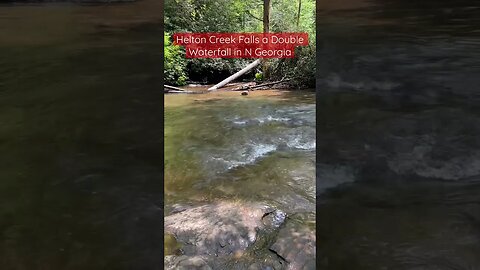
(398, 125)
(80, 136)
(81, 133)
(259, 147)
(255, 148)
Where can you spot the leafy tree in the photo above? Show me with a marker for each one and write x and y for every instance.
(174, 63)
(244, 16)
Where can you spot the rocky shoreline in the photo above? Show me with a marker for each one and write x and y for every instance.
(237, 235)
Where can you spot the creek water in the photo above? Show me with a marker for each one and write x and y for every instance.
(81, 133)
(80, 136)
(398, 128)
(259, 147)
(255, 148)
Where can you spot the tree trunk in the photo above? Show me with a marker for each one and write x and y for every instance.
(234, 76)
(298, 14)
(266, 16)
(266, 29)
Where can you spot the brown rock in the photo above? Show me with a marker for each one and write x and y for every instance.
(186, 263)
(296, 245)
(223, 228)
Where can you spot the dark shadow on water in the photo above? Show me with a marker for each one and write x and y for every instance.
(80, 134)
(397, 135)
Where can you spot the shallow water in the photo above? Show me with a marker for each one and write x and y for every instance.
(226, 146)
(398, 135)
(222, 147)
(80, 136)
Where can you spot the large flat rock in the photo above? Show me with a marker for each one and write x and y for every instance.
(223, 228)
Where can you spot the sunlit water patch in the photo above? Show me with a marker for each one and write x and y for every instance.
(245, 148)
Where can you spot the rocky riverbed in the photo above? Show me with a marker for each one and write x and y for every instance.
(231, 235)
(240, 181)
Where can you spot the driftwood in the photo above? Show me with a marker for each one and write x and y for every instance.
(234, 76)
(247, 87)
(173, 88)
(176, 90)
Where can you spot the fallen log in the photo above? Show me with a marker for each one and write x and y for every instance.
(173, 88)
(179, 92)
(247, 87)
(236, 75)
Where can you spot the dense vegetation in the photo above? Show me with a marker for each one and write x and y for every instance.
(239, 16)
(174, 63)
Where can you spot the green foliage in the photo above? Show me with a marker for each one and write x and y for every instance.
(203, 15)
(245, 16)
(301, 69)
(174, 63)
(259, 76)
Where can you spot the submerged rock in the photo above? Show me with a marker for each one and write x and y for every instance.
(186, 262)
(171, 246)
(224, 228)
(274, 219)
(177, 208)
